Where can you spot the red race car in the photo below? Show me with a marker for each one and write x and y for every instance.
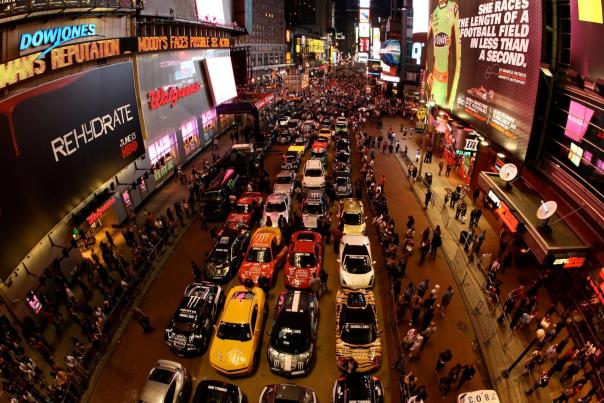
(243, 212)
(304, 257)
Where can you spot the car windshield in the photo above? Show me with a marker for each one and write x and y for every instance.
(184, 322)
(312, 172)
(258, 255)
(275, 207)
(216, 395)
(317, 154)
(213, 195)
(289, 158)
(359, 325)
(352, 218)
(341, 125)
(291, 334)
(357, 264)
(312, 208)
(234, 331)
(241, 208)
(342, 157)
(341, 181)
(161, 375)
(284, 179)
(219, 255)
(303, 260)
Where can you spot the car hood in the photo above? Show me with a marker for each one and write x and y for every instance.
(313, 180)
(300, 278)
(282, 188)
(231, 354)
(255, 270)
(354, 229)
(355, 280)
(239, 217)
(310, 220)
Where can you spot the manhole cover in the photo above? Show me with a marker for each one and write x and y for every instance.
(462, 326)
(524, 279)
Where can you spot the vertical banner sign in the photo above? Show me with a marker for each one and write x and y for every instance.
(58, 143)
(483, 62)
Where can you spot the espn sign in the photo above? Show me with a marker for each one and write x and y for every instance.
(570, 262)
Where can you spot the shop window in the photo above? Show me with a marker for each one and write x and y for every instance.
(163, 156)
(190, 136)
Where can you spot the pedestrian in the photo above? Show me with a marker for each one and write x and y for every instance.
(264, 284)
(446, 300)
(475, 195)
(323, 278)
(541, 382)
(197, 273)
(427, 198)
(315, 285)
(440, 167)
(443, 358)
(202, 220)
(467, 374)
(410, 222)
(478, 215)
(417, 156)
(143, 320)
(427, 333)
(424, 249)
(110, 240)
(480, 241)
(444, 386)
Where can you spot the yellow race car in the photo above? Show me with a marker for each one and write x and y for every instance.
(357, 330)
(236, 344)
(353, 216)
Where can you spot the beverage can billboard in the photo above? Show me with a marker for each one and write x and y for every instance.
(483, 62)
(60, 142)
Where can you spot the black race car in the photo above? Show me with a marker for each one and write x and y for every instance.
(356, 387)
(342, 184)
(223, 260)
(287, 392)
(217, 392)
(190, 327)
(342, 156)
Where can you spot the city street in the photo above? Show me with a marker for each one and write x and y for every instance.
(125, 371)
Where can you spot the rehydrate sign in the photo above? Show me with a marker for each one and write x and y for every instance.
(55, 37)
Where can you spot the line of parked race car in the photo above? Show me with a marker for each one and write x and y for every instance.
(231, 324)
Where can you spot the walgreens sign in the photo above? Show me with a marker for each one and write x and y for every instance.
(171, 95)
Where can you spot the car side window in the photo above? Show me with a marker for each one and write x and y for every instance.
(254, 317)
(169, 397)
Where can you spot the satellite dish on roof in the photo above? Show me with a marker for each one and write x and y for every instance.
(508, 172)
(546, 210)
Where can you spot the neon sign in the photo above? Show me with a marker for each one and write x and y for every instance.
(170, 96)
(100, 211)
(55, 37)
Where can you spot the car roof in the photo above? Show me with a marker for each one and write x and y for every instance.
(352, 205)
(313, 164)
(239, 304)
(304, 246)
(264, 235)
(276, 198)
(285, 172)
(295, 301)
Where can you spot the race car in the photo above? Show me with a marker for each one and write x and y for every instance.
(321, 142)
(353, 216)
(190, 327)
(287, 393)
(236, 344)
(264, 255)
(290, 160)
(243, 212)
(356, 262)
(319, 153)
(277, 205)
(223, 260)
(217, 392)
(292, 342)
(357, 330)
(304, 257)
(284, 182)
(357, 387)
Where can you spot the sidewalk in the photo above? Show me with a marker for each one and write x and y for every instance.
(170, 192)
(498, 344)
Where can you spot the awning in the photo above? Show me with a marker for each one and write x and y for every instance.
(518, 208)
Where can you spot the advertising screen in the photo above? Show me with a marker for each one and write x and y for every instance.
(215, 11)
(364, 30)
(578, 121)
(364, 45)
(374, 67)
(586, 56)
(364, 15)
(65, 139)
(364, 3)
(483, 63)
(221, 79)
(575, 154)
(183, 9)
(420, 16)
(375, 43)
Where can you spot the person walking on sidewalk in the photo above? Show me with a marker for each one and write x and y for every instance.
(467, 374)
(110, 240)
(427, 198)
(436, 241)
(440, 168)
(448, 171)
(143, 320)
(446, 300)
(443, 358)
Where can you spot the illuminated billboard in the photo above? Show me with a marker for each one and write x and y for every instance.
(364, 30)
(364, 15)
(376, 44)
(586, 24)
(420, 16)
(483, 64)
(578, 121)
(390, 55)
(364, 3)
(364, 45)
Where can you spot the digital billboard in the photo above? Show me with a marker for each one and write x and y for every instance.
(390, 55)
(59, 143)
(221, 79)
(483, 64)
(586, 24)
(364, 15)
(420, 16)
(364, 45)
(578, 121)
(215, 11)
(376, 44)
(364, 30)
(182, 9)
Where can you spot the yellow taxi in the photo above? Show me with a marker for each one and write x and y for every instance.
(297, 149)
(236, 344)
(357, 330)
(353, 216)
(325, 132)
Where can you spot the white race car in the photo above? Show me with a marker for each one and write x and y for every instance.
(356, 262)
